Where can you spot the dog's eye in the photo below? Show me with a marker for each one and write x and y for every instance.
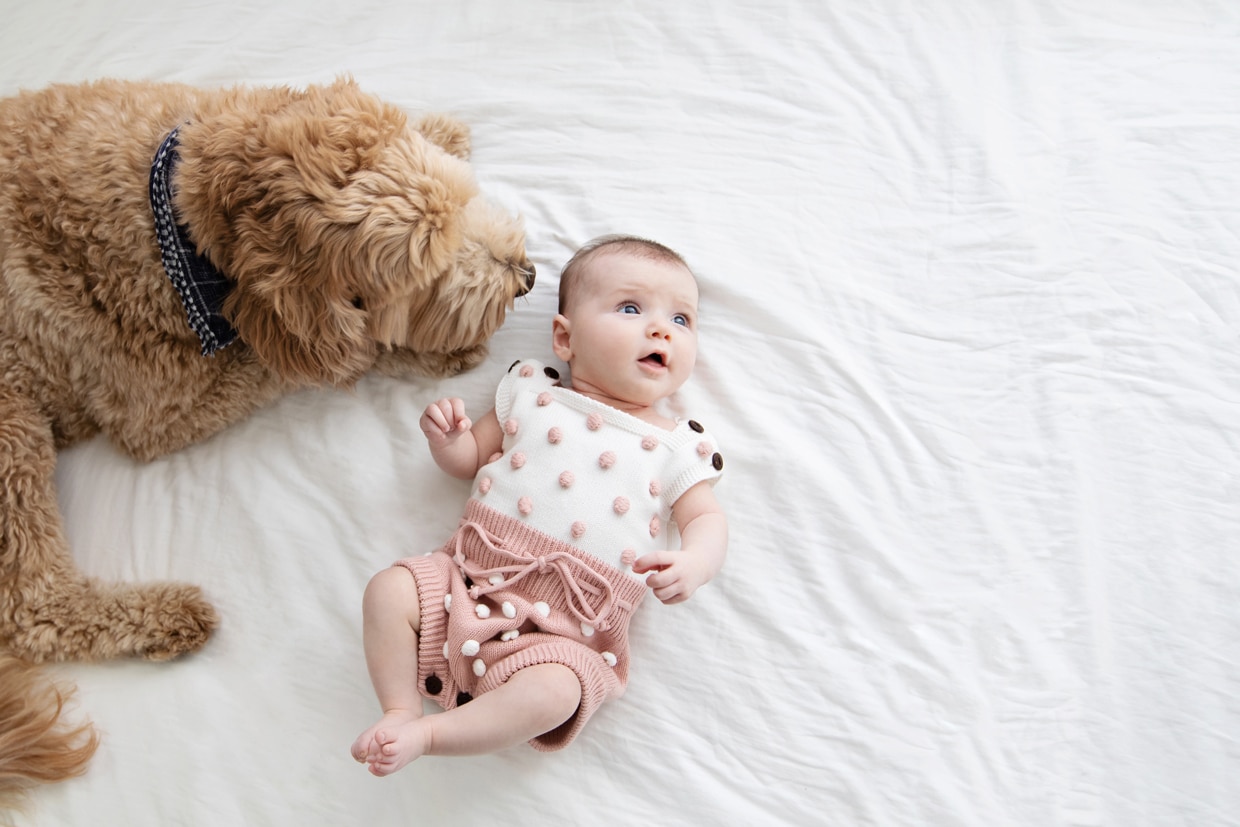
(357, 302)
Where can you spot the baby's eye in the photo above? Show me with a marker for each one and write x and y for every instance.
(681, 319)
(629, 307)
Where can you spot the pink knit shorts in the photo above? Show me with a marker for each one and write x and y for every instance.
(500, 596)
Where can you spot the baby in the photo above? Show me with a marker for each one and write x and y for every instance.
(518, 625)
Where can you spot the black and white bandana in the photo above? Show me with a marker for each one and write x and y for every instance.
(202, 287)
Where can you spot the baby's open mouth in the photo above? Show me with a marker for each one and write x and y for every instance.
(654, 358)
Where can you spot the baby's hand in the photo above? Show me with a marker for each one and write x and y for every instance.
(677, 574)
(444, 421)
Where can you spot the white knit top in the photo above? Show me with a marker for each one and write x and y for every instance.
(585, 473)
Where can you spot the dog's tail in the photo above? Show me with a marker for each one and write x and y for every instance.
(37, 745)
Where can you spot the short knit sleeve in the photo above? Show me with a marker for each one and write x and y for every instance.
(523, 373)
(695, 459)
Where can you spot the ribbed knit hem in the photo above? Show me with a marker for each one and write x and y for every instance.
(432, 584)
(599, 683)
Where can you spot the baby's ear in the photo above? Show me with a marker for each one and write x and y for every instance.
(561, 337)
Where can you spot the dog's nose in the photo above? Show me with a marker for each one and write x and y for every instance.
(527, 274)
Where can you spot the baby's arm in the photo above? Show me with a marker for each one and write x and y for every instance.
(703, 545)
(460, 447)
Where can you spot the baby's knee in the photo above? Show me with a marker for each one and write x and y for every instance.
(392, 588)
(560, 687)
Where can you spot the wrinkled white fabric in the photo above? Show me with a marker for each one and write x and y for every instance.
(969, 338)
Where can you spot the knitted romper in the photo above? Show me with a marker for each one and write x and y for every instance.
(515, 586)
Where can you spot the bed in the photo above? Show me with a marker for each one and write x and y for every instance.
(970, 346)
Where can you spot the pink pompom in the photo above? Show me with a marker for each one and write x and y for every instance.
(655, 488)
(554, 436)
(578, 529)
(594, 421)
(567, 479)
(628, 557)
(655, 525)
(650, 442)
(495, 456)
(544, 399)
(518, 460)
(527, 371)
(525, 505)
(620, 505)
(704, 449)
(510, 427)
(484, 485)
(606, 459)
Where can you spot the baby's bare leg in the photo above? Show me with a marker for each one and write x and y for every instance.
(534, 700)
(390, 624)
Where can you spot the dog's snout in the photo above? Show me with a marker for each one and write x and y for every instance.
(527, 276)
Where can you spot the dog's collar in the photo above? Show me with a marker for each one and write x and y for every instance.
(202, 288)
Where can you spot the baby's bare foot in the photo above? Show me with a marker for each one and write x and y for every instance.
(396, 740)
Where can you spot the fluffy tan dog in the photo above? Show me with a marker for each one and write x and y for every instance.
(173, 258)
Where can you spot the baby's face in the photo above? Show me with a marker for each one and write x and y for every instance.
(633, 328)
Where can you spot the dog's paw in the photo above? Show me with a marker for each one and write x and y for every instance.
(89, 620)
(402, 363)
(175, 619)
(459, 361)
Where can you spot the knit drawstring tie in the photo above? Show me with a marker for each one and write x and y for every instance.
(576, 578)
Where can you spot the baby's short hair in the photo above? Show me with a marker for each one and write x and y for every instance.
(616, 242)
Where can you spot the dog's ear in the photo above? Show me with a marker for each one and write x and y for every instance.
(307, 334)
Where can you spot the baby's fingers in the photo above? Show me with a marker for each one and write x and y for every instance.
(664, 578)
(655, 561)
(672, 593)
(434, 419)
(456, 414)
(445, 416)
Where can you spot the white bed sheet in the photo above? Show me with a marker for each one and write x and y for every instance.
(971, 309)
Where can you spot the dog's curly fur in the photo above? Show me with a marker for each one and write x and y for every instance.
(353, 240)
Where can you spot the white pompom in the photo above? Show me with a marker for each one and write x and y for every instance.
(447, 602)
(482, 610)
(511, 634)
(510, 611)
(495, 579)
(470, 648)
(445, 650)
(609, 658)
(542, 608)
(480, 668)
(587, 630)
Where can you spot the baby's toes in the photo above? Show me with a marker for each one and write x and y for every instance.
(362, 747)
